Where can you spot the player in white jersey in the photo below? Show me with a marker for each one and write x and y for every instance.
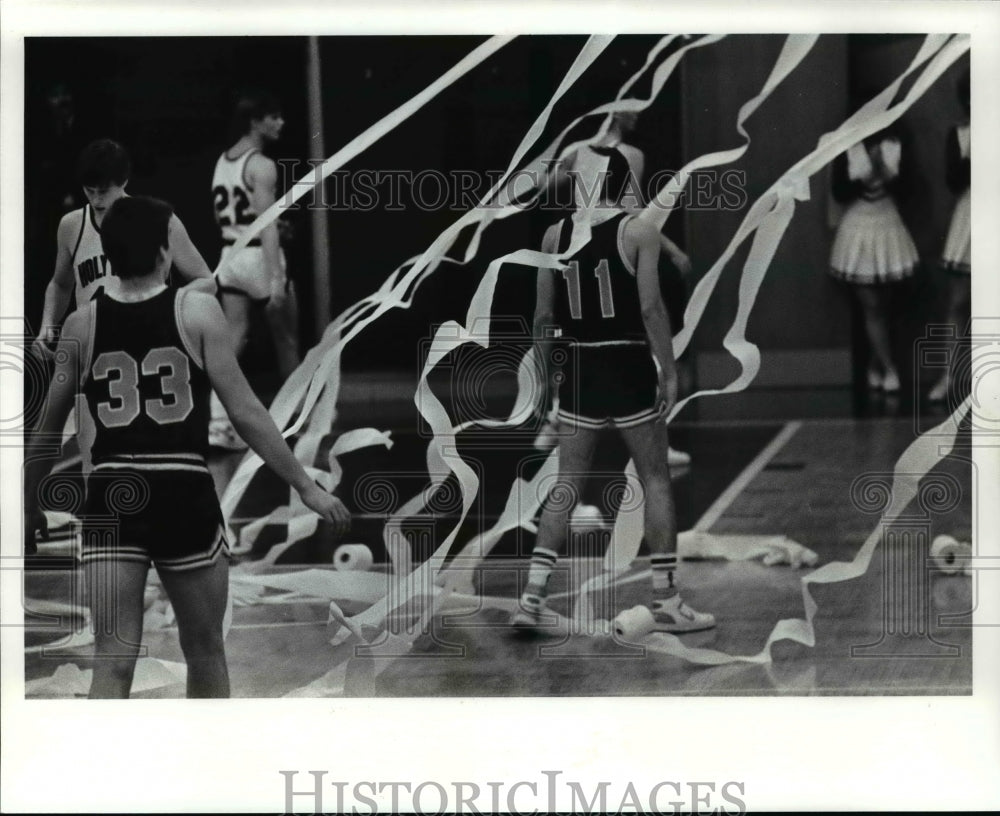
(243, 186)
(82, 270)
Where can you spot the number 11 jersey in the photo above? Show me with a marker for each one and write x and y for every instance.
(597, 294)
(144, 381)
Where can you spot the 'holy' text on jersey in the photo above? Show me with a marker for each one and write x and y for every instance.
(92, 268)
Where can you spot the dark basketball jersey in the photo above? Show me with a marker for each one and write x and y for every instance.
(597, 295)
(145, 385)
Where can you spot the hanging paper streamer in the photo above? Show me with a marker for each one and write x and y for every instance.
(397, 292)
(479, 312)
(766, 221)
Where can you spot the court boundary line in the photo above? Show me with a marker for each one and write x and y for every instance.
(723, 501)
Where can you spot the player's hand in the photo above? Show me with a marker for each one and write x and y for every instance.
(328, 507)
(43, 346)
(279, 293)
(666, 395)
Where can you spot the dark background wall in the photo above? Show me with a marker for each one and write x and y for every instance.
(168, 99)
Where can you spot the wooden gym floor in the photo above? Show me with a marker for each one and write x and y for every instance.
(900, 629)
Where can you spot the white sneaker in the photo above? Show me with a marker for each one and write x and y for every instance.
(529, 614)
(673, 615)
(222, 434)
(874, 379)
(678, 458)
(939, 391)
(890, 383)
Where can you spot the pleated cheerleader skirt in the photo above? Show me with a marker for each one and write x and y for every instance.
(957, 255)
(872, 244)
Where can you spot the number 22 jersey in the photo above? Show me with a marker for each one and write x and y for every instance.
(144, 380)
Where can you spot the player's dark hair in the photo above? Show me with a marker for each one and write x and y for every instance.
(251, 105)
(102, 163)
(133, 231)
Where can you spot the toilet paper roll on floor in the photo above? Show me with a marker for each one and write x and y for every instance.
(949, 555)
(634, 624)
(353, 558)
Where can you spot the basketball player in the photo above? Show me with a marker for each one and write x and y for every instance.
(243, 186)
(145, 359)
(81, 267)
(582, 167)
(83, 271)
(607, 304)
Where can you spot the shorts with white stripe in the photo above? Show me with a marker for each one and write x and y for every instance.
(611, 384)
(160, 509)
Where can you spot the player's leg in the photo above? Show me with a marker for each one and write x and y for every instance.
(647, 443)
(959, 300)
(198, 597)
(115, 589)
(576, 450)
(284, 324)
(875, 312)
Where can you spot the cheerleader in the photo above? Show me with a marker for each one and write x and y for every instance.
(957, 248)
(872, 248)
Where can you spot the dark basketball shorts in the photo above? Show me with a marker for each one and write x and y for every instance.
(143, 510)
(608, 385)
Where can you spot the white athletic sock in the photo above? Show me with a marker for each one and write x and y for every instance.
(663, 576)
(542, 562)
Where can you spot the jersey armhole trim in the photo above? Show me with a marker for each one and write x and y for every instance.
(189, 346)
(621, 245)
(90, 317)
(79, 235)
(243, 169)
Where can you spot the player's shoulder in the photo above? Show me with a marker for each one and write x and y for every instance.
(259, 163)
(71, 223)
(199, 308)
(639, 230)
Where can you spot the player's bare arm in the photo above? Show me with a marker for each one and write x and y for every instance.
(58, 403)
(544, 317)
(207, 328)
(187, 258)
(644, 246)
(60, 289)
(262, 176)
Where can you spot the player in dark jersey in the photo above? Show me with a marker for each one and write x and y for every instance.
(82, 270)
(580, 166)
(146, 360)
(606, 303)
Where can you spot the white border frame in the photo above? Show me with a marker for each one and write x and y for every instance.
(824, 753)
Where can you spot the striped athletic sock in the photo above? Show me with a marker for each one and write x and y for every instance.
(542, 562)
(663, 576)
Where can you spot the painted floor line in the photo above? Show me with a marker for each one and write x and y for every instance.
(740, 483)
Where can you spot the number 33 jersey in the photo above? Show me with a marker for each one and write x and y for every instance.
(597, 294)
(144, 381)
